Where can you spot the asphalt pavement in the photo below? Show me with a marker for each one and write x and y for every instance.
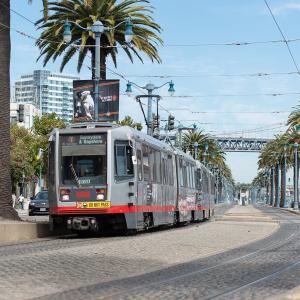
(250, 253)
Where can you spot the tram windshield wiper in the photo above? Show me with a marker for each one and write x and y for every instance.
(74, 174)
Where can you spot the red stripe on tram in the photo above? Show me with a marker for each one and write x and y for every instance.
(120, 209)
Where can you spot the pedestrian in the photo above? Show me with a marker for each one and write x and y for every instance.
(21, 201)
(14, 198)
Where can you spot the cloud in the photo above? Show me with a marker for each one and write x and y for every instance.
(286, 8)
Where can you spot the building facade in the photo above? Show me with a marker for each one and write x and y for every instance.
(48, 92)
(23, 114)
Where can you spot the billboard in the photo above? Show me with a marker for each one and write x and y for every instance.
(84, 100)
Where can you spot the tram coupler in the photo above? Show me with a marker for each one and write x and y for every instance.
(82, 223)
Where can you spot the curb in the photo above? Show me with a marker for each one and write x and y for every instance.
(290, 211)
(22, 231)
(246, 220)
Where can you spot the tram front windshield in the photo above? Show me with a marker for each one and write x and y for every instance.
(83, 160)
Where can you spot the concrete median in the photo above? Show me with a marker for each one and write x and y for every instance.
(11, 231)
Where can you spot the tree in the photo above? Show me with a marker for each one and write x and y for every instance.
(128, 121)
(110, 13)
(42, 127)
(214, 155)
(294, 118)
(6, 209)
(22, 154)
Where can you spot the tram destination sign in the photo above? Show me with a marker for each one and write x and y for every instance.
(84, 100)
(84, 139)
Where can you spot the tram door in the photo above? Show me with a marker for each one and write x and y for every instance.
(140, 185)
(165, 186)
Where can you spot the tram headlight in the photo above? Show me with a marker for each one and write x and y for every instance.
(65, 194)
(100, 197)
(65, 198)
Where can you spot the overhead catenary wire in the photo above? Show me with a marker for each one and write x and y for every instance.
(228, 112)
(200, 44)
(283, 36)
(258, 74)
(227, 44)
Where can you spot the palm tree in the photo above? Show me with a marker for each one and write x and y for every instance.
(128, 121)
(294, 118)
(110, 13)
(6, 209)
(214, 155)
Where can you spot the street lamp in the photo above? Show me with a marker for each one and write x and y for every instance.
(150, 88)
(98, 28)
(196, 145)
(296, 196)
(267, 173)
(277, 199)
(285, 148)
(272, 186)
(205, 152)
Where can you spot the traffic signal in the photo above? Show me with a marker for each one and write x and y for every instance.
(21, 113)
(171, 122)
(156, 121)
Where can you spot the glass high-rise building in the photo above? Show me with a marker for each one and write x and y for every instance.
(49, 92)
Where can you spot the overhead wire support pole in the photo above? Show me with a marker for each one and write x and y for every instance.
(138, 99)
(150, 88)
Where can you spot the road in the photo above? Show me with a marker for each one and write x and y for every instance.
(255, 256)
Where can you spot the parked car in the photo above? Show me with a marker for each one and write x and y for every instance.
(39, 204)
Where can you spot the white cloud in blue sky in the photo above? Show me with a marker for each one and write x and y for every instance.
(196, 22)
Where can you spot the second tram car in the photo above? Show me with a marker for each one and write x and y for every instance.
(103, 176)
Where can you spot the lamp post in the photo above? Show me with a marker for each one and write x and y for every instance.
(205, 152)
(296, 196)
(285, 147)
(272, 186)
(196, 145)
(150, 88)
(277, 200)
(98, 28)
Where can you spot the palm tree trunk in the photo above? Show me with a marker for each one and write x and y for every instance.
(6, 209)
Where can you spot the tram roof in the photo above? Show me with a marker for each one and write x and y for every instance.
(127, 131)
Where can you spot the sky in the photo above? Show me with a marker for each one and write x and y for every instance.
(199, 66)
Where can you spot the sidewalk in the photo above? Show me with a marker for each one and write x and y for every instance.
(246, 213)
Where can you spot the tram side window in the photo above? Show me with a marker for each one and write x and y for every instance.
(123, 161)
(164, 171)
(146, 163)
(205, 183)
(192, 177)
(139, 165)
(157, 167)
(190, 183)
(170, 170)
(198, 179)
(152, 164)
(184, 172)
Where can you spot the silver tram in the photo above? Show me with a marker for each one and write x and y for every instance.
(103, 176)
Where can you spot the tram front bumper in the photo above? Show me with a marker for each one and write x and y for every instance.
(82, 223)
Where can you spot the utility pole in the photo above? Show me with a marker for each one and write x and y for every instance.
(150, 88)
